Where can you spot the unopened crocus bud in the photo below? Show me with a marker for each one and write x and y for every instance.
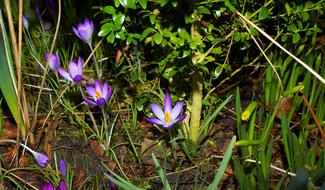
(47, 186)
(41, 159)
(62, 185)
(54, 60)
(85, 31)
(63, 168)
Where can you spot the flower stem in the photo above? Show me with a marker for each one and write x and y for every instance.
(13, 141)
(173, 143)
(95, 61)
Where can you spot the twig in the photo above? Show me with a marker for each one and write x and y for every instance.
(46, 67)
(313, 115)
(282, 48)
(271, 166)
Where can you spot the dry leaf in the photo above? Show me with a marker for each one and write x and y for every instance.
(98, 148)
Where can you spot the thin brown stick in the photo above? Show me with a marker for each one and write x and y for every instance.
(46, 68)
(19, 178)
(313, 115)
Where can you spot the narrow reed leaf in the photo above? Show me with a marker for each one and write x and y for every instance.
(7, 75)
(223, 165)
(161, 172)
(118, 180)
(210, 119)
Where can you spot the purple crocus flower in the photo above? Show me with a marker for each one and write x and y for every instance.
(99, 93)
(54, 60)
(84, 31)
(41, 159)
(63, 168)
(62, 185)
(75, 71)
(169, 116)
(47, 186)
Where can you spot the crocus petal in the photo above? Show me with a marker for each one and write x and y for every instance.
(41, 159)
(176, 110)
(91, 91)
(64, 74)
(73, 69)
(168, 103)
(90, 102)
(47, 186)
(75, 30)
(80, 66)
(109, 94)
(62, 185)
(105, 89)
(98, 86)
(179, 119)
(53, 60)
(63, 168)
(154, 121)
(157, 111)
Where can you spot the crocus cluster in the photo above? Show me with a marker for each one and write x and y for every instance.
(62, 185)
(169, 116)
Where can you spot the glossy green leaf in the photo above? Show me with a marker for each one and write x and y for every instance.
(264, 13)
(157, 38)
(296, 37)
(109, 10)
(143, 3)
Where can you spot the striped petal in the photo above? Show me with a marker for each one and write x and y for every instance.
(168, 103)
(176, 110)
(90, 102)
(73, 69)
(64, 74)
(91, 91)
(179, 119)
(154, 121)
(80, 66)
(157, 111)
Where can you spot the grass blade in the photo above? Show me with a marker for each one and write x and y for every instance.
(161, 173)
(223, 165)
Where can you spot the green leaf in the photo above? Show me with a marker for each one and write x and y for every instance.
(157, 38)
(163, 2)
(109, 10)
(110, 38)
(203, 10)
(128, 4)
(106, 29)
(288, 9)
(118, 19)
(264, 13)
(223, 165)
(146, 32)
(295, 38)
(152, 18)
(143, 3)
(8, 84)
(161, 172)
(230, 6)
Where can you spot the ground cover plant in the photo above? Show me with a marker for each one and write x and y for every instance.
(168, 94)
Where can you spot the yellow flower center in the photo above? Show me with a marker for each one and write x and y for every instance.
(98, 93)
(167, 116)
